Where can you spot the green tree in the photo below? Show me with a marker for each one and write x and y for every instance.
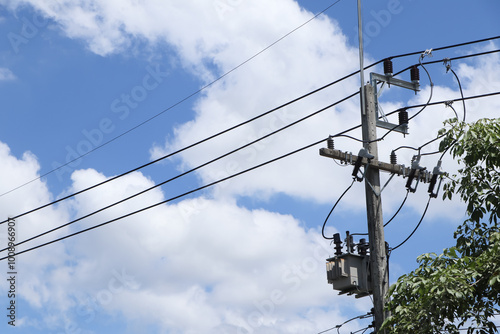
(459, 288)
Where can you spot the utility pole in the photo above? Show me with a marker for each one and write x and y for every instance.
(378, 256)
(348, 272)
(378, 252)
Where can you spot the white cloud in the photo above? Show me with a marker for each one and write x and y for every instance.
(197, 265)
(206, 264)
(6, 74)
(43, 263)
(210, 40)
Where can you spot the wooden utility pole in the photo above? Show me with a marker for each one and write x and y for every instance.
(378, 253)
(378, 256)
(338, 268)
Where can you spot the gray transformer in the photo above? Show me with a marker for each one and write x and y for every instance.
(350, 273)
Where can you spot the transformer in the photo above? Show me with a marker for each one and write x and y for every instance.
(350, 274)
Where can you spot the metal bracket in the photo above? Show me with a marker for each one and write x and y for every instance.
(390, 80)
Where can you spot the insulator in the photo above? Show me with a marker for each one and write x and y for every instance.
(415, 74)
(403, 117)
(362, 247)
(394, 158)
(338, 244)
(330, 143)
(388, 67)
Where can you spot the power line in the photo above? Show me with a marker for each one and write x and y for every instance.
(222, 180)
(169, 200)
(416, 228)
(446, 102)
(362, 330)
(234, 127)
(182, 149)
(448, 67)
(467, 329)
(333, 208)
(423, 106)
(341, 134)
(453, 100)
(400, 207)
(478, 54)
(187, 172)
(364, 316)
(430, 141)
(447, 47)
(179, 102)
(393, 216)
(186, 193)
(232, 70)
(213, 82)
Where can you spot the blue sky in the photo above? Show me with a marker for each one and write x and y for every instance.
(245, 256)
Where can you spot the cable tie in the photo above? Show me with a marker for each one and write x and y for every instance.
(427, 52)
(449, 103)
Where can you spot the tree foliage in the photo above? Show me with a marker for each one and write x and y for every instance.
(460, 287)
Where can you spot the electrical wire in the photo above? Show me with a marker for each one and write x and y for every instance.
(180, 101)
(362, 330)
(427, 143)
(393, 216)
(419, 149)
(338, 135)
(400, 207)
(423, 106)
(435, 139)
(190, 146)
(227, 73)
(364, 316)
(447, 62)
(333, 208)
(448, 47)
(170, 199)
(353, 138)
(178, 151)
(441, 102)
(472, 55)
(184, 194)
(448, 67)
(431, 85)
(463, 99)
(416, 228)
(453, 100)
(467, 329)
(185, 173)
